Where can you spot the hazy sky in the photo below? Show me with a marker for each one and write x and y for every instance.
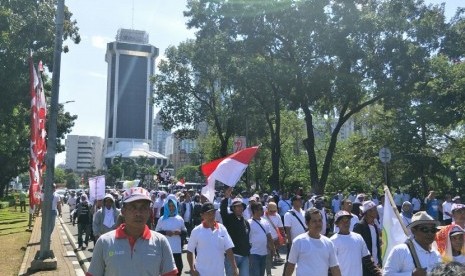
(83, 68)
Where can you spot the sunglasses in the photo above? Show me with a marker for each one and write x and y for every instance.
(428, 230)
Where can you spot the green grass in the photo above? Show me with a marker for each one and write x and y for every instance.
(13, 221)
(13, 238)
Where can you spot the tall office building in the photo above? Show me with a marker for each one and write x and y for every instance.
(129, 114)
(84, 153)
(159, 135)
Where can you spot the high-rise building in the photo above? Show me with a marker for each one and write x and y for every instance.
(129, 114)
(84, 153)
(159, 135)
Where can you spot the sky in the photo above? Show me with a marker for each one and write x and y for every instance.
(84, 70)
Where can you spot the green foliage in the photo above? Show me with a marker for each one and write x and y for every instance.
(190, 174)
(26, 26)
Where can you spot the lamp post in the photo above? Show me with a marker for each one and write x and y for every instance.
(45, 252)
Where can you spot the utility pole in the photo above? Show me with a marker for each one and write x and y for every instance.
(45, 252)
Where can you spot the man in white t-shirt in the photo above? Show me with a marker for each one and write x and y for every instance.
(416, 204)
(447, 210)
(311, 252)
(210, 241)
(335, 204)
(351, 250)
(347, 206)
(260, 239)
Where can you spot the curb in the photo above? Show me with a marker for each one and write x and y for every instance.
(23, 269)
(81, 257)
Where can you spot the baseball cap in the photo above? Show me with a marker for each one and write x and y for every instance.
(341, 214)
(207, 207)
(136, 193)
(457, 206)
(456, 230)
(367, 205)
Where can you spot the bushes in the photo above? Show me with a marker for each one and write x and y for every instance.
(4, 204)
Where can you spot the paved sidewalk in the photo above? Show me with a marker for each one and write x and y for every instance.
(67, 262)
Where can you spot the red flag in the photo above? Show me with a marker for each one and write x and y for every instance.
(227, 170)
(38, 134)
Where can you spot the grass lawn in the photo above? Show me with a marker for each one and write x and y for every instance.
(13, 238)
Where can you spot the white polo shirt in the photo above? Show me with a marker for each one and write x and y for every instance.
(312, 256)
(291, 221)
(211, 246)
(257, 236)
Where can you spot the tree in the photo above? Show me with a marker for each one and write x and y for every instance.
(338, 57)
(26, 25)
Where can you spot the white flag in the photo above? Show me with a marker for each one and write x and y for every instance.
(393, 233)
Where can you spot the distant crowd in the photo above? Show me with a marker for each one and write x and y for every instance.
(241, 234)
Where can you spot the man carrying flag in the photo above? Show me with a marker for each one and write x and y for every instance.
(404, 255)
(227, 170)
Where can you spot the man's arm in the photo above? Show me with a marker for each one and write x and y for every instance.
(190, 260)
(289, 269)
(224, 203)
(335, 271)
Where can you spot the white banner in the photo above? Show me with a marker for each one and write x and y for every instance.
(96, 188)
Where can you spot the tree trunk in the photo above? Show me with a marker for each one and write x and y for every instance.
(309, 144)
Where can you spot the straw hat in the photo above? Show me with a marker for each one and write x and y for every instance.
(422, 218)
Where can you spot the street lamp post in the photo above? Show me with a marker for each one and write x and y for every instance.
(45, 252)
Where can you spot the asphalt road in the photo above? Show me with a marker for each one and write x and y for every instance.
(86, 255)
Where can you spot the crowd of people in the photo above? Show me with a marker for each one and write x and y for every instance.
(237, 234)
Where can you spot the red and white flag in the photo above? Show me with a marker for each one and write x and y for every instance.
(227, 170)
(38, 147)
(181, 182)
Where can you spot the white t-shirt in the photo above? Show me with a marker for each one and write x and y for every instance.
(291, 221)
(336, 204)
(416, 204)
(350, 249)
(374, 249)
(277, 222)
(257, 236)
(312, 256)
(400, 262)
(172, 224)
(284, 206)
(210, 246)
(397, 199)
(158, 205)
(446, 207)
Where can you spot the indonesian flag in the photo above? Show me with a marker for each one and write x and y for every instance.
(227, 170)
(181, 182)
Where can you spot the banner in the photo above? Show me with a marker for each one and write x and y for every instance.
(96, 188)
(130, 183)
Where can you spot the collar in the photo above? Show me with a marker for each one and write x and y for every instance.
(421, 249)
(121, 234)
(215, 225)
